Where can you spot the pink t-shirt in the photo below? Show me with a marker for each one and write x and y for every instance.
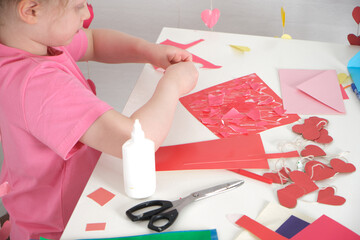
(46, 105)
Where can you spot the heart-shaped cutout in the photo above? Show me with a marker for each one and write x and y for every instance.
(324, 137)
(353, 39)
(308, 132)
(303, 180)
(327, 196)
(288, 196)
(210, 17)
(356, 14)
(312, 150)
(319, 123)
(280, 177)
(342, 167)
(318, 171)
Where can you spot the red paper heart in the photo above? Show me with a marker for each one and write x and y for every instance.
(88, 21)
(303, 180)
(309, 132)
(327, 196)
(342, 167)
(353, 39)
(324, 137)
(356, 14)
(318, 171)
(288, 196)
(312, 150)
(280, 177)
(319, 123)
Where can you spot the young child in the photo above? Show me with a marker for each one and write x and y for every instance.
(53, 127)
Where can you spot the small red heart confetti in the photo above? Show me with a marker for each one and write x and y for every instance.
(318, 171)
(324, 137)
(327, 196)
(303, 180)
(312, 150)
(353, 39)
(356, 14)
(341, 167)
(288, 196)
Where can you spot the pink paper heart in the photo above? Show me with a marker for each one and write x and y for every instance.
(210, 17)
(318, 171)
(353, 39)
(341, 166)
(303, 180)
(312, 150)
(356, 14)
(288, 196)
(327, 196)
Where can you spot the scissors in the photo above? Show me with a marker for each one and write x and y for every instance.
(168, 211)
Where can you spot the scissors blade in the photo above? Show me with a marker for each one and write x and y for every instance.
(209, 192)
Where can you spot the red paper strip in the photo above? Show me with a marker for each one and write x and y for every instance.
(258, 229)
(247, 106)
(101, 196)
(226, 153)
(195, 58)
(95, 227)
(252, 175)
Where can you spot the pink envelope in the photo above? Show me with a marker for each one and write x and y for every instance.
(311, 91)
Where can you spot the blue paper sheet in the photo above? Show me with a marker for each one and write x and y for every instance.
(354, 69)
(291, 227)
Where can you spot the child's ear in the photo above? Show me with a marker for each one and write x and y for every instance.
(28, 10)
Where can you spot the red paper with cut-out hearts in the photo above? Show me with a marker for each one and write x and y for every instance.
(238, 94)
(312, 150)
(327, 196)
(318, 171)
(342, 167)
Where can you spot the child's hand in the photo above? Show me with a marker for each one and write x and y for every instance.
(163, 55)
(184, 75)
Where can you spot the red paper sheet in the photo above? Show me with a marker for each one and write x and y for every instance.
(226, 153)
(242, 106)
(95, 226)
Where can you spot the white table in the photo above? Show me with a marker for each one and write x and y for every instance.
(267, 55)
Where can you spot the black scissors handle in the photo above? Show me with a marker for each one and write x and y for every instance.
(170, 217)
(163, 205)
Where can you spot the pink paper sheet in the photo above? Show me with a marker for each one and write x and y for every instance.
(95, 226)
(311, 91)
(244, 105)
(325, 228)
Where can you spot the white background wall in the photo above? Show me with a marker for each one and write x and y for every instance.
(316, 20)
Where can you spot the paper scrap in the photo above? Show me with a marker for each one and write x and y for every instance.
(101, 196)
(292, 226)
(95, 227)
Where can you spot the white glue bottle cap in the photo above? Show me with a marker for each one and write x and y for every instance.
(139, 164)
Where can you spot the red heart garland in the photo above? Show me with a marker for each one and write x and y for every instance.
(356, 14)
(324, 137)
(342, 167)
(280, 177)
(303, 180)
(309, 132)
(353, 39)
(318, 171)
(316, 121)
(288, 196)
(327, 196)
(312, 150)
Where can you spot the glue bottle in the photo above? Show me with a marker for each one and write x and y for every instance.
(139, 164)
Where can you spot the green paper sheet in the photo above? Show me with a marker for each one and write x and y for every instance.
(210, 234)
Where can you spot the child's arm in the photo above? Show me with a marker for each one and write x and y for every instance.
(110, 46)
(109, 132)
